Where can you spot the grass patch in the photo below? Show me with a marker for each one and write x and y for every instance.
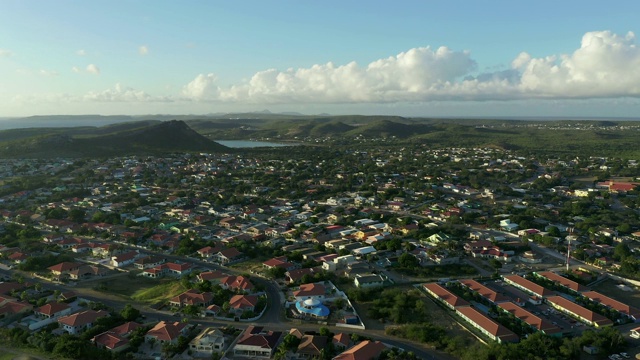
(142, 289)
(7, 356)
(248, 266)
(160, 292)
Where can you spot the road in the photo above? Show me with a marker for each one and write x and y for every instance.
(272, 319)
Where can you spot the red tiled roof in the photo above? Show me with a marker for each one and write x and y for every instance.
(110, 340)
(612, 303)
(255, 336)
(165, 331)
(243, 301)
(579, 310)
(14, 307)
(445, 295)
(211, 275)
(125, 328)
(529, 318)
(342, 339)
(563, 281)
(7, 287)
(484, 291)
(529, 285)
(364, 350)
(192, 297)
(492, 327)
(310, 290)
(237, 283)
(82, 318)
(63, 266)
(230, 253)
(52, 308)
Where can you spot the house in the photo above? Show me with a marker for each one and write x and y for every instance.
(242, 303)
(210, 340)
(508, 226)
(126, 329)
(110, 341)
(527, 286)
(124, 259)
(256, 342)
(279, 262)
(491, 295)
(364, 350)
(314, 291)
(487, 326)
(87, 271)
(367, 281)
(63, 268)
(209, 251)
(18, 257)
(530, 319)
(166, 332)
(148, 262)
(445, 296)
(78, 322)
(228, 256)
(562, 281)
(170, 268)
(236, 283)
(296, 275)
(192, 297)
(626, 310)
(311, 346)
(53, 310)
(341, 341)
(211, 276)
(14, 307)
(585, 315)
(439, 238)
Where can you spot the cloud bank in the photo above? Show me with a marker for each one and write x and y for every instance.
(605, 65)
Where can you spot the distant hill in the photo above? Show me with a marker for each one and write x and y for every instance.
(113, 140)
(387, 128)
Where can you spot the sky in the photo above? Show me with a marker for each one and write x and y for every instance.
(411, 58)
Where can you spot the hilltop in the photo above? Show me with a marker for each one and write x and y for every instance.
(139, 138)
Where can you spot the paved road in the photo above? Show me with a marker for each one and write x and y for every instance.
(272, 318)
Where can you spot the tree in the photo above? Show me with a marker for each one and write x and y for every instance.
(407, 260)
(129, 313)
(290, 342)
(495, 264)
(554, 231)
(621, 252)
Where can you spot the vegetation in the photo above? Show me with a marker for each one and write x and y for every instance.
(536, 346)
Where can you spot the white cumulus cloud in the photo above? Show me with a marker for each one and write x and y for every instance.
(93, 69)
(143, 50)
(121, 93)
(81, 52)
(605, 65)
(5, 53)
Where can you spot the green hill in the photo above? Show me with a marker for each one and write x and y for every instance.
(115, 140)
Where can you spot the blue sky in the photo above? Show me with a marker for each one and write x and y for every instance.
(411, 58)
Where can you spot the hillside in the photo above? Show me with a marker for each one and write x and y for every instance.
(115, 140)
